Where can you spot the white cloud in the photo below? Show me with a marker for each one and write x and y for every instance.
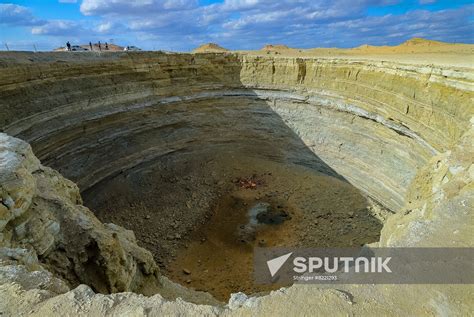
(128, 7)
(105, 27)
(59, 28)
(242, 4)
(12, 14)
(110, 27)
(247, 24)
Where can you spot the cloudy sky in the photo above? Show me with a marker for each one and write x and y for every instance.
(236, 24)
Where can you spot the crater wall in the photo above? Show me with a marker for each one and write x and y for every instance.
(373, 123)
(402, 134)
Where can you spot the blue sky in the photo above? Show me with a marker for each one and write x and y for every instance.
(181, 25)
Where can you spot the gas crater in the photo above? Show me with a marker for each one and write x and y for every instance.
(186, 162)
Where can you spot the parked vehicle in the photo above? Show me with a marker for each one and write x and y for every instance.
(132, 48)
(78, 48)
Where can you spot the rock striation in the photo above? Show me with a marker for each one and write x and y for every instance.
(375, 123)
(400, 133)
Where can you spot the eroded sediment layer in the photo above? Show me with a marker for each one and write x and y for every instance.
(374, 123)
(399, 133)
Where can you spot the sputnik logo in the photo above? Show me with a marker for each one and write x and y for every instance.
(274, 265)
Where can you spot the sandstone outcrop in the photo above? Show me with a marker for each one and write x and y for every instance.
(400, 133)
(276, 47)
(210, 48)
(43, 217)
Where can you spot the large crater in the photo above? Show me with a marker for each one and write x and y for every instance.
(206, 156)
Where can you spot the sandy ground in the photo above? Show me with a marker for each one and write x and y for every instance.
(415, 51)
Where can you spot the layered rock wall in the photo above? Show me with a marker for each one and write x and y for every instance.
(402, 134)
(373, 123)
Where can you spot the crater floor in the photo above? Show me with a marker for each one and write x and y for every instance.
(194, 213)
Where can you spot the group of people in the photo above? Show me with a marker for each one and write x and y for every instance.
(68, 45)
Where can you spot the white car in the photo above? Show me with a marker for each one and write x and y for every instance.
(78, 48)
(132, 48)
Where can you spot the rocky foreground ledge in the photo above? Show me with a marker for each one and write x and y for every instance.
(422, 117)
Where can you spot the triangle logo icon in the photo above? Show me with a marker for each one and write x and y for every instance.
(275, 264)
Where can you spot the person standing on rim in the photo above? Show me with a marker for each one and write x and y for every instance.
(90, 45)
(100, 47)
(68, 45)
(106, 46)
